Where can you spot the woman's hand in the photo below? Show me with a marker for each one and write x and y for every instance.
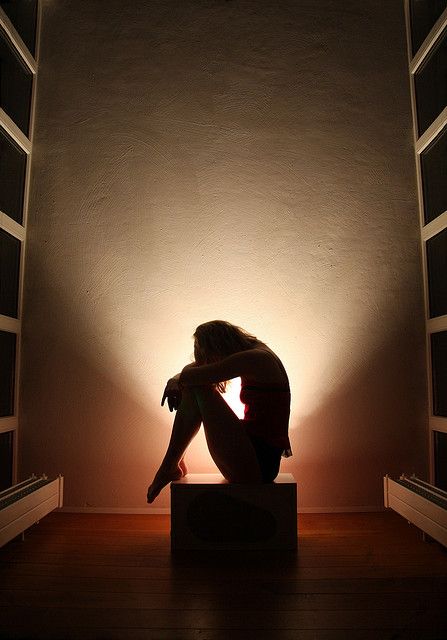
(172, 394)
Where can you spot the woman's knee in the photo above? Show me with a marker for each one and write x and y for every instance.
(188, 404)
(206, 391)
(206, 397)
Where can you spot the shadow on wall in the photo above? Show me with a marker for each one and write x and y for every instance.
(373, 424)
(76, 418)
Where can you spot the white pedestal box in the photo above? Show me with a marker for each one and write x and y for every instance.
(207, 512)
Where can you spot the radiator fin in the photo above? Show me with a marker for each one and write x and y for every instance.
(24, 504)
(21, 493)
(420, 503)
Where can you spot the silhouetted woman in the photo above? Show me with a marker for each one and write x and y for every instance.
(245, 451)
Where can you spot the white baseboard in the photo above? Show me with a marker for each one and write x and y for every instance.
(118, 510)
(369, 509)
(166, 511)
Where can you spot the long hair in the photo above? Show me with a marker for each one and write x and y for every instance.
(219, 339)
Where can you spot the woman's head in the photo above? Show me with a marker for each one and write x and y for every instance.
(218, 339)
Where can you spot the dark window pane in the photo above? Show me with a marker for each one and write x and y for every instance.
(423, 16)
(15, 86)
(441, 460)
(7, 372)
(6, 458)
(12, 177)
(23, 14)
(437, 273)
(9, 274)
(434, 177)
(439, 372)
(431, 87)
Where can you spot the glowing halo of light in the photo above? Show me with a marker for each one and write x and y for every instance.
(231, 397)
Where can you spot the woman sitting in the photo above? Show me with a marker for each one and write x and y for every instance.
(245, 451)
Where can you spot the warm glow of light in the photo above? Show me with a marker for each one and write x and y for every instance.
(141, 354)
(216, 197)
(138, 331)
(232, 397)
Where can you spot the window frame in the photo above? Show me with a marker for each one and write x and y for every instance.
(432, 228)
(14, 325)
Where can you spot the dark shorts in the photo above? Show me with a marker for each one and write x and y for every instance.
(269, 458)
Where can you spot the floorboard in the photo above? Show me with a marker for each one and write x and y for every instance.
(107, 577)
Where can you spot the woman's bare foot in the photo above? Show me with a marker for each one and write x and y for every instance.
(162, 478)
(183, 467)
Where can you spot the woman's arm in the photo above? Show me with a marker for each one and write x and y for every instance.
(243, 363)
(172, 393)
(173, 390)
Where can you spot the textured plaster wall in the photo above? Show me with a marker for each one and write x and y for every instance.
(201, 159)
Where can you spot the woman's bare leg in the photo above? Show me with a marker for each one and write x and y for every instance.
(186, 424)
(183, 467)
(227, 440)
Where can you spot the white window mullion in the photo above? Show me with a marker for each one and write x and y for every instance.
(437, 324)
(14, 132)
(432, 132)
(17, 42)
(8, 424)
(9, 324)
(437, 423)
(12, 227)
(429, 42)
(434, 227)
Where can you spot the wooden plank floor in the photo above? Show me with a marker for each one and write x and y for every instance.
(355, 576)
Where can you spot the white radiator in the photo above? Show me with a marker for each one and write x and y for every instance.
(26, 503)
(420, 503)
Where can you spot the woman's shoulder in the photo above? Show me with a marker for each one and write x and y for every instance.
(259, 355)
(265, 353)
(268, 368)
(262, 350)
